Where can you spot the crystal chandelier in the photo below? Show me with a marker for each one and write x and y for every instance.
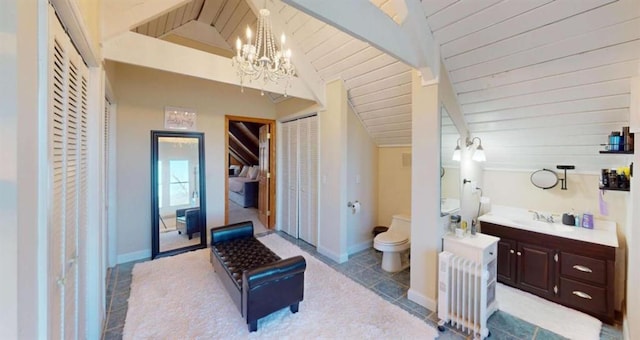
(262, 59)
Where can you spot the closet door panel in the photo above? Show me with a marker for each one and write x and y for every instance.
(293, 178)
(68, 168)
(308, 172)
(313, 179)
(303, 172)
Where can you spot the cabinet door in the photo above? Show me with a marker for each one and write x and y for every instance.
(535, 269)
(507, 261)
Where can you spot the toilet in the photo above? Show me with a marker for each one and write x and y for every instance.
(395, 243)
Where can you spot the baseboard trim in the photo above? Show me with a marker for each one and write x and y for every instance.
(360, 247)
(625, 328)
(422, 300)
(134, 256)
(340, 258)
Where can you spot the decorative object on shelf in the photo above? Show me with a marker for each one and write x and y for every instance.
(262, 60)
(619, 142)
(563, 181)
(544, 179)
(616, 179)
(177, 118)
(478, 153)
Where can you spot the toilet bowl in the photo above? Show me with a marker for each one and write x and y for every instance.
(395, 244)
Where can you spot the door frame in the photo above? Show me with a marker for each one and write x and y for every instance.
(272, 164)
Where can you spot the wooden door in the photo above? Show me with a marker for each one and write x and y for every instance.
(535, 269)
(507, 261)
(264, 175)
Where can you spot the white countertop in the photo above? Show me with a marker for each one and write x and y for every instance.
(604, 232)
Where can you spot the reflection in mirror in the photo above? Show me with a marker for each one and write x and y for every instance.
(177, 194)
(544, 179)
(450, 179)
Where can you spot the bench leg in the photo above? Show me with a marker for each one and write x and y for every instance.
(294, 307)
(253, 326)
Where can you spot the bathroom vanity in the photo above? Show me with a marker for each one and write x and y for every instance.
(572, 266)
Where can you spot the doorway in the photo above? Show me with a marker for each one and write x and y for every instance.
(250, 183)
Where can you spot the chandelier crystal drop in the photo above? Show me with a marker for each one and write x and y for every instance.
(262, 59)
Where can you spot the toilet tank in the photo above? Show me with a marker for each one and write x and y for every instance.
(401, 223)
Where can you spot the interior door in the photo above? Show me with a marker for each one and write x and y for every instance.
(263, 177)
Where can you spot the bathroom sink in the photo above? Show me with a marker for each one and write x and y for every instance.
(555, 227)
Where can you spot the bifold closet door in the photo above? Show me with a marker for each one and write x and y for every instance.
(300, 179)
(67, 153)
(308, 179)
(289, 179)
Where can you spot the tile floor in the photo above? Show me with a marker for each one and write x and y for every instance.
(364, 268)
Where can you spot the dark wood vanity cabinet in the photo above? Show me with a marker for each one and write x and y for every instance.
(573, 273)
(507, 261)
(525, 265)
(535, 269)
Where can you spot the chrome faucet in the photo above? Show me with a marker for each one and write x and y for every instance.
(541, 217)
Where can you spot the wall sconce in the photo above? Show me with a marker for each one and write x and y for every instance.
(457, 152)
(478, 154)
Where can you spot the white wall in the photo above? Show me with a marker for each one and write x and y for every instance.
(332, 211)
(426, 233)
(8, 170)
(632, 318)
(362, 182)
(23, 312)
(141, 96)
(394, 184)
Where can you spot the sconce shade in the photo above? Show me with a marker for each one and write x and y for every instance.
(456, 154)
(479, 155)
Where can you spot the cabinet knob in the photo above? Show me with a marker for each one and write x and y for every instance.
(512, 251)
(519, 253)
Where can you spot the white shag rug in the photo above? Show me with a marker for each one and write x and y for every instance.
(191, 303)
(559, 319)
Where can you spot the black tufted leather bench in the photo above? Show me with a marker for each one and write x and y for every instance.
(258, 281)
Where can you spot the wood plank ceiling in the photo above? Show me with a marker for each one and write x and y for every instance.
(541, 82)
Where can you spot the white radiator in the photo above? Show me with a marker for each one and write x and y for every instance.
(466, 293)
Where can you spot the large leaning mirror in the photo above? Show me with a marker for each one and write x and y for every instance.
(178, 217)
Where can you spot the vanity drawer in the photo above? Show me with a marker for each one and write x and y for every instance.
(583, 296)
(583, 268)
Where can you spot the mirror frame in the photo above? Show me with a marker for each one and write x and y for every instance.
(538, 178)
(155, 210)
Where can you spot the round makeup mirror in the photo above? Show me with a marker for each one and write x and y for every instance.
(544, 179)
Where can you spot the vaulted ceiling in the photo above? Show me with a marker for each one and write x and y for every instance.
(541, 82)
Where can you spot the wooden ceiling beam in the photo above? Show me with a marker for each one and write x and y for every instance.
(123, 15)
(141, 50)
(410, 42)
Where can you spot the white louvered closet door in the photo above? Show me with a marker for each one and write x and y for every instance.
(68, 110)
(307, 173)
(300, 179)
(292, 174)
(285, 224)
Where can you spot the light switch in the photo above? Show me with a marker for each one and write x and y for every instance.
(324, 179)
(357, 179)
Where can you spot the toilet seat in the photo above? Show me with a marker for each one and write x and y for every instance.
(390, 239)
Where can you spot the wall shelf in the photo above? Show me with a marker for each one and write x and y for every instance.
(618, 152)
(615, 189)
